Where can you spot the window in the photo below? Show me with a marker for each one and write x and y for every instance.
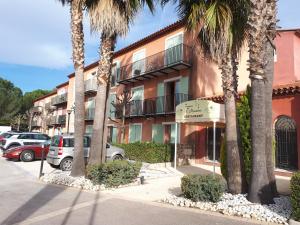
(68, 142)
(112, 134)
(135, 133)
(25, 136)
(210, 142)
(174, 49)
(40, 137)
(138, 63)
(115, 74)
(136, 103)
(286, 143)
(89, 129)
(112, 108)
(86, 142)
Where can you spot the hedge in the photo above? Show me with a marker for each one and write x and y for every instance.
(147, 152)
(295, 196)
(114, 173)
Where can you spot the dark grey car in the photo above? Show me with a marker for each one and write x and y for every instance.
(61, 151)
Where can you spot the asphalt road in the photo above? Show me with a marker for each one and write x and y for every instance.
(24, 200)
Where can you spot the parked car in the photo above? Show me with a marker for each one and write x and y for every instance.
(26, 153)
(21, 139)
(61, 151)
(6, 135)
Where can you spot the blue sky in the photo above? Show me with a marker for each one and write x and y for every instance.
(35, 47)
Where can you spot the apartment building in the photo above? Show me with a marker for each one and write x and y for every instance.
(153, 75)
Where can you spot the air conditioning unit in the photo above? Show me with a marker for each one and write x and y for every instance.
(136, 72)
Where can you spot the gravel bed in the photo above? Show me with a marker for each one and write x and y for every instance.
(64, 178)
(238, 205)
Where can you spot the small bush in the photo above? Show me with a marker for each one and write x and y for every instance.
(147, 152)
(295, 196)
(114, 173)
(202, 188)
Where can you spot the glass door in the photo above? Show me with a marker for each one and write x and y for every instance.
(138, 63)
(174, 51)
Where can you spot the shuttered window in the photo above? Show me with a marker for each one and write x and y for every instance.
(135, 133)
(157, 133)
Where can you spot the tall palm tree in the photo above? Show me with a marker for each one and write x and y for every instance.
(222, 34)
(269, 74)
(260, 190)
(111, 18)
(76, 10)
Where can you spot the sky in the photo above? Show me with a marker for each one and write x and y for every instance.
(35, 42)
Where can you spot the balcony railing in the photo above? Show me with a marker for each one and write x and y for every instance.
(90, 85)
(56, 120)
(90, 114)
(37, 109)
(169, 61)
(161, 105)
(59, 99)
(36, 123)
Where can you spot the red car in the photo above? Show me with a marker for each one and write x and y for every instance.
(26, 153)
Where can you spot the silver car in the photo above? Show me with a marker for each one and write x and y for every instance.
(61, 151)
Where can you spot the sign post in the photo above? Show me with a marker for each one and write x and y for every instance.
(175, 151)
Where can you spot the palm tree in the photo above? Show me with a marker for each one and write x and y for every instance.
(222, 34)
(76, 10)
(269, 74)
(111, 18)
(260, 190)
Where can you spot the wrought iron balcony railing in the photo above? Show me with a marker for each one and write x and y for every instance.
(37, 109)
(169, 61)
(161, 105)
(56, 120)
(59, 99)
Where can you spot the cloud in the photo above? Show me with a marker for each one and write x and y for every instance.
(36, 33)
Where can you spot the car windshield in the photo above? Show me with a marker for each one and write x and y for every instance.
(55, 141)
(6, 135)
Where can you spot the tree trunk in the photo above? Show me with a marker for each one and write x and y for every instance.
(269, 75)
(98, 145)
(236, 180)
(259, 191)
(78, 168)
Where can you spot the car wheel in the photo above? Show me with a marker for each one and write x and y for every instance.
(117, 157)
(66, 164)
(27, 156)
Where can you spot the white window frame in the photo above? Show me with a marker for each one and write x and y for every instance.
(135, 53)
(172, 36)
(140, 124)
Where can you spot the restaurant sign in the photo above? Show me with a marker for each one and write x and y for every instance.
(197, 111)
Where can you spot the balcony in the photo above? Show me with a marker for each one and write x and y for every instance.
(37, 109)
(36, 123)
(163, 105)
(56, 120)
(90, 86)
(90, 114)
(169, 61)
(59, 99)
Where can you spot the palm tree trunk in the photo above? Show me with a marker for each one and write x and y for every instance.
(259, 191)
(236, 181)
(98, 152)
(269, 74)
(78, 168)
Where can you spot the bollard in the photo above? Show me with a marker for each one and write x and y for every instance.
(142, 179)
(42, 161)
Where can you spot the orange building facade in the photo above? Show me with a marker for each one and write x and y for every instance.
(152, 76)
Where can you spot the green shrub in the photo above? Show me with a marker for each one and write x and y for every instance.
(244, 115)
(147, 152)
(295, 196)
(202, 188)
(114, 173)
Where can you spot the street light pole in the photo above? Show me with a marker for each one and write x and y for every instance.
(69, 114)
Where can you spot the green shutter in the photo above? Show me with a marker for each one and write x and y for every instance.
(160, 97)
(135, 133)
(157, 133)
(184, 85)
(112, 98)
(114, 135)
